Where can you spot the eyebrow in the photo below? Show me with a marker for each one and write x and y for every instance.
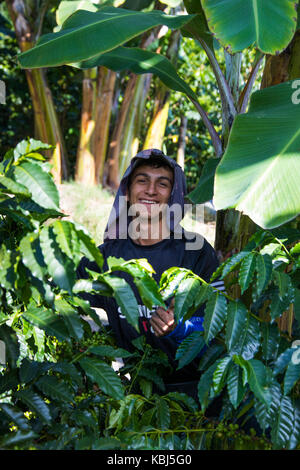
(159, 177)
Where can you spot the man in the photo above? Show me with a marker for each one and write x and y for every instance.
(142, 225)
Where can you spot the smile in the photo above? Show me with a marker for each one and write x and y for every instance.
(147, 201)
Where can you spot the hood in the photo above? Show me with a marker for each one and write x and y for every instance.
(118, 221)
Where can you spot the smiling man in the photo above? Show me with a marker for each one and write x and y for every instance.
(145, 223)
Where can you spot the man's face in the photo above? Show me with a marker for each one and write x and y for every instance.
(150, 187)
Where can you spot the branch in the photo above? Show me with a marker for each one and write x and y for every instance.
(216, 141)
(245, 95)
(226, 95)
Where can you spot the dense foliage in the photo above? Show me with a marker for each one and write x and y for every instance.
(57, 384)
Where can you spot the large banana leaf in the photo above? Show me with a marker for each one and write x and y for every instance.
(238, 24)
(260, 171)
(86, 34)
(140, 61)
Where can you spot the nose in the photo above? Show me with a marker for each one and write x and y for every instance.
(151, 188)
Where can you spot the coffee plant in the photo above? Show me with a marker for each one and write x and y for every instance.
(58, 385)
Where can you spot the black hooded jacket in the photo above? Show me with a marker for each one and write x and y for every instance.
(200, 257)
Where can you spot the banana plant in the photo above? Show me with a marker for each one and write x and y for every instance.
(85, 40)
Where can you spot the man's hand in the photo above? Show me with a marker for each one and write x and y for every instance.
(162, 321)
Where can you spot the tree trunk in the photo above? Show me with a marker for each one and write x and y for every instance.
(105, 91)
(119, 138)
(47, 126)
(113, 177)
(156, 131)
(85, 162)
(283, 67)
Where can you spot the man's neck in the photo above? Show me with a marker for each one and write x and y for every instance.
(150, 234)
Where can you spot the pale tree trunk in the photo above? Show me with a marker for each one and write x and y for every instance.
(123, 143)
(85, 161)
(156, 131)
(130, 139)
(113, 177)
(105, 92)
(47, 125)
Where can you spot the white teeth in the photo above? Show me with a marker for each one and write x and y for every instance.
(148, 202)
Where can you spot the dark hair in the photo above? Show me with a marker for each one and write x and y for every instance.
(154, 161)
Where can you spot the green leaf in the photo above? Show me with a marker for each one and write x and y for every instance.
(89, 247)
(55, 389)
(238, 24)
(205, 386)
(140, 61)
(264, 271)
(18, 438)
(255, 374)
(215, 315)
(189, 348)
(30, 370)
(32, 255)
(85, 34)
(12, 187)
(109, 351)
(125, 299)
(295, 434)
(292, 375)
(235, 387)
(48, 321)
(185, 296)
(266, 415)
(283, 426)
(71, 317)
(210, 356)
(283, 281)
(106, 443)
(270, 341)
(28, 146)
(247, 270)
(16, 416)
(204, 190)
(261, 181)
(104, 376)
(61, 268)
(67, 239)
(35, 403)
(39, 183)
(236, 322)
(197, 27)
(282, 361)
(220, 373)
(67, 8)
(162, 413)
(249, 341)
